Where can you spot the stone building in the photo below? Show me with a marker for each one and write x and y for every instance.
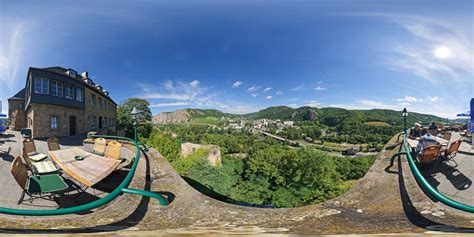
(60, 102)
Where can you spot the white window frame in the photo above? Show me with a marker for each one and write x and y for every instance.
(79, 94)
(93, 99)
(54, 122)
(57, 88)
(43, 85)
(67, 89)
(94, 122)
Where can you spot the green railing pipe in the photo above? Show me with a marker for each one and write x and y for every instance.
(421, 179)
(122, 188)
(163, 201)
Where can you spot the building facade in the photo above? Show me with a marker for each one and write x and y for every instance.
(60, 102)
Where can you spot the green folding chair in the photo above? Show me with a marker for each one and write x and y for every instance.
(36, 186)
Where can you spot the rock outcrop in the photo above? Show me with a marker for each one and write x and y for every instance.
(178, 116)
(214, 156)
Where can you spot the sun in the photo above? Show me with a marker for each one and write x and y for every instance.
(442, 52)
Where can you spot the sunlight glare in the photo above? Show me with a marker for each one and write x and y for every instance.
(442, 52)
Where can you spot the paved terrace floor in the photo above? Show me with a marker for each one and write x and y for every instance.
(10, 191)
(454, 178)
(386, 200)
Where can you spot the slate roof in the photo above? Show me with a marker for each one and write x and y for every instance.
(19, 96)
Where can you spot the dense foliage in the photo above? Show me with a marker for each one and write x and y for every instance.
(334, 117)
(257, 170)
(372, 128)
(125, 121)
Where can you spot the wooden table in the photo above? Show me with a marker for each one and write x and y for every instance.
(89, 171)
(414, 142)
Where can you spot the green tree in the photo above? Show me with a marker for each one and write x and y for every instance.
(125, 120)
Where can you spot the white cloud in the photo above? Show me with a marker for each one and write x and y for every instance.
(279, 92)
(253, 89)
(11, 42)
(432, 99)
(299, 88)
(267, 89)
(293, 105)
(319, 88)
(194, 83)
(313, 103)
(169, 104)
(171, 96)
(180, 94)
(320, 82)
(242, 109)
(269, 97)
(439, 109)
(371, 104)
(409, 99)
(254, 94)
(433, 34)
(168, 85)
(236, 84)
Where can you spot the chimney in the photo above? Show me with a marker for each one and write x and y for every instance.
(85, 75)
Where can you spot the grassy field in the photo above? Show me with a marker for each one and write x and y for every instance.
(377, 124)
(205, 120)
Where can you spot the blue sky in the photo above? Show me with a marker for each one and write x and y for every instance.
(242, 56)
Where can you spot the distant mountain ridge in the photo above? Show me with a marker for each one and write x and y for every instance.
(328, 116)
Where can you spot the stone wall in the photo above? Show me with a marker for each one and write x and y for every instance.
(214, 157)
(107, 113)
(16, 114)
(42, 114)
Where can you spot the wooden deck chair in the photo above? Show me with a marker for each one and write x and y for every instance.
(447, 136)
(39, 167)
(99, 146)
(29, 145)
(452, 150)
(429, 154)
(36, 185)
(30, 149)
(114, 150)
(53, 144)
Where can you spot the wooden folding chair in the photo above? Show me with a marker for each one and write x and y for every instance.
(36, 185)
(99, 146)
(30, 149)
(452, 150)
(39, 167)
(53, 144)
(429, 154)
(447, 136)
(29, 145)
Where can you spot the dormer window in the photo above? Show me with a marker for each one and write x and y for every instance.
(71, 73)
(57, 89)
(42, 85)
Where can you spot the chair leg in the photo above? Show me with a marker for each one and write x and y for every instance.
(21, 197)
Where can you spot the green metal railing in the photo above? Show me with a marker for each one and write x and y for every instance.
(122, 188)
(421, 179)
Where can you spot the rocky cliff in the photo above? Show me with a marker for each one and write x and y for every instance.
(178, 116)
